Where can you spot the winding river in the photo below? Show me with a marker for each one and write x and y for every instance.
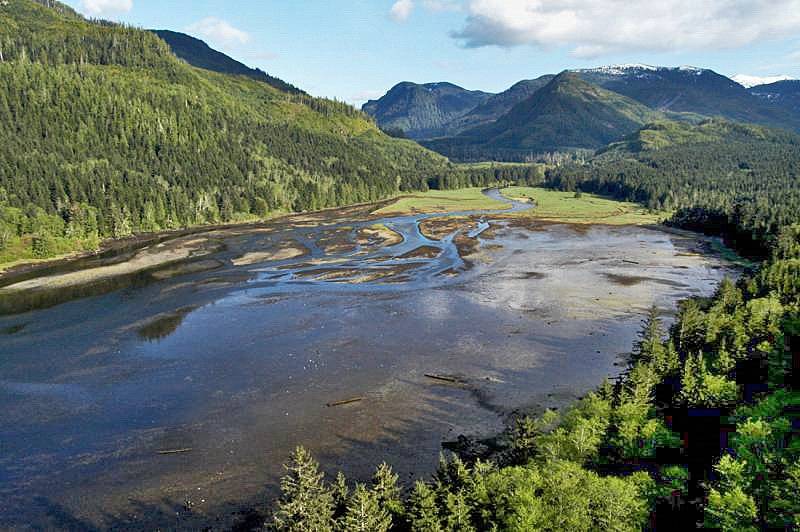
(170, 396)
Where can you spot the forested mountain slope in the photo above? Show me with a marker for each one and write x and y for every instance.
(502, 128)
(497, 105)
(105, 132)
(423, 111)
(566, 114)
(198, 53)
(783, 95)
(689, 90)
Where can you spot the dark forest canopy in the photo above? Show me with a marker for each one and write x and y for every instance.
(109, 133)
(738, 180)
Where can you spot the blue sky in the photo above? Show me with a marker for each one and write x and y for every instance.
(357, 49)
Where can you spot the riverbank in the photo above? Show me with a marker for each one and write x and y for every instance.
(550, 206)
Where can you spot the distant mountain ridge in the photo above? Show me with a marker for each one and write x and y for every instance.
(782, 94)
(749, 82)
(442, 109)
(566, 114)
(498, 105)
(197, 53)
(686, 92)
(423, 111)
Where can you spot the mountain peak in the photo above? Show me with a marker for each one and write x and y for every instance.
(617, 69)
(567, 114)
(423, 110)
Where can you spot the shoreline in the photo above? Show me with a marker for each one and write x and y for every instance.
(111, 248)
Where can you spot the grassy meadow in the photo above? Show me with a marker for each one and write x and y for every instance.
(466, 199)
(551, 205)
(567, 207)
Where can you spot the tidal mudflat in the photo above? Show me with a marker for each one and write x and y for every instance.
(172, 398)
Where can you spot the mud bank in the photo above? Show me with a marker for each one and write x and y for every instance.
(237, 364)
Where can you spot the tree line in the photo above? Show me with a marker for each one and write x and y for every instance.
(703, 427)
(739, 181)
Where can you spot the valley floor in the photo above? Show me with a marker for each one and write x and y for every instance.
(237, 363)
(550, 205)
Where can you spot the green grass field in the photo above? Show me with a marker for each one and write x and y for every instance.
(553, 205)
(466, 199)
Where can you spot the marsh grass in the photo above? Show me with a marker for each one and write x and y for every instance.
(466, 199)
(568, 207)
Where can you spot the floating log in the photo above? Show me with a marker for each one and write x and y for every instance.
(176, 451)
(630, 261)
(444, 378)
(345, 402)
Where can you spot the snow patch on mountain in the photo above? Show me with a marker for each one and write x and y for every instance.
(619, 70)
(748, 81)
(632, 68)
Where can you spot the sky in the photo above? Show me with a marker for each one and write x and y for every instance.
(356, 50)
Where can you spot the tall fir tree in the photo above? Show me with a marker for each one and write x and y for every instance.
(365, 513)
(306, 504)
(423, 512)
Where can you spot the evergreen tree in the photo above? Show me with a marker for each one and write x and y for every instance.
(387, 490)
(651, 338)
(690, 384)
(423, 512)
(458, 513)
(668, 362)
(340, 493)
(365, 513)
(306, 504)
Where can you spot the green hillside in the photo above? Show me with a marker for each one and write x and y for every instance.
(423, 111)
(112, 134)
(498, 105)
(567, 114)
(739, 180)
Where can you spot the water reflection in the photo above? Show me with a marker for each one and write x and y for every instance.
(239, 363)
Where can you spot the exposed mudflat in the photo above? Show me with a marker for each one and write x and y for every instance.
(171, 399)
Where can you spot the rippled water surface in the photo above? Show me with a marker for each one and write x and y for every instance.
(235, 365)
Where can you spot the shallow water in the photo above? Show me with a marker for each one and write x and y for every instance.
(236, 365)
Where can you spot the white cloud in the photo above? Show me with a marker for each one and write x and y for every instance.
(596, 27)
(401, 10)
(219, 31)
(104, 8)
(441, 5)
